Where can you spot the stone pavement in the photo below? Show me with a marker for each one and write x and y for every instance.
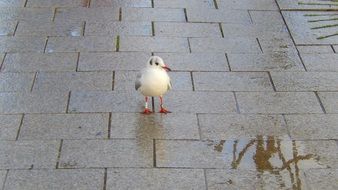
(254, 99)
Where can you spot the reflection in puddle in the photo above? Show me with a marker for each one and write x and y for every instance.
(268, 155)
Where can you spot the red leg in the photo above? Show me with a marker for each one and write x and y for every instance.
(163, 110)
(146, 109)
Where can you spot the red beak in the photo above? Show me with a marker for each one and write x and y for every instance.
(166, 68)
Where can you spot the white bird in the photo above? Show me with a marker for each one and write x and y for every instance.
(153, 81)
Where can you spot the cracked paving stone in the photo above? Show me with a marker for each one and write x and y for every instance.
(13, 82)
(322, 178)
(330, 101)
(9, 126)
(321, 62)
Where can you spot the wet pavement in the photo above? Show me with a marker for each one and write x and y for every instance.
(254, 98)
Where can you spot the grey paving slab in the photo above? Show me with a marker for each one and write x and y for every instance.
(270, 61)
(232, 81)
(178, 101)
(204, 4)
(307, 5)
(266, 17)
(312, 27)
(120, 3)
(28, 154)
(29, 28)
(152, 14)
(18, 13)
(214, 15)
(260, 30)
(234, 126)
(315, 49)
(155, 126)
(64, 126)
(57, 3)
(9, 126)
(46, 102)
(246, 154)
(31, 62)
(7, 28)
(12, 3)
(320, 62)
(153, 44)
(195, 61)
(106, 153)
(108, 14)
(68, 81)
(278, 102)
(80, 44)
(55, 179)
(305, 81)
(251, 179)
(304, 127)
(112, 61)
(187, 29)
(3, 174)
(153, 179)
(277, 44)
(22, 44)
(335, 48)
(329, 100)
(248, 4)
(118, 28)
(125, 80)
(228, 45)
(322, 178)
(13, 82)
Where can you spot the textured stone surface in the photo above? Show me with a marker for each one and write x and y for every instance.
(171, 126)
(233, 126)
(322, 179)
(204, 4)
(12, 82)
(55, 179)
(7, 28)
(228, 45)
(329, 100)
(314, 126)
(9, 126)
(153, 179)
(108, 14)
(306, 4)
(22, 44)
(12, 3)
(232, 81)
(260, 30)
(320, 62)
(187, 29)
(64, 126)
(57, 3)
(120, 3)
(151, 14)
(28, 154)
(67, 81)
(278, 102)
(248, 4)
(214, 15)
(106, 153)
(20, 13)
(118, 28)
(314, 49)
(277, 44)
(49, 29)
(31, 62)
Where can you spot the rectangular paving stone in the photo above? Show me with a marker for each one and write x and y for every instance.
(187, 29)
(7, 28)
(320, 62)
(335, 48)
(204, 4)
(322, 178)
(153, 14)
(228, 45)
(22, 44)
(305, 81)
(269, 61)
(9, 126)
(260, 30)
(3, 174)
(28, 28)
(277, 44)
(64, 126)
(120, 3)
(20, 13)
(266, 17)
(57, 3)
(80, 44)
(12, 82)
(31, 62)
(55, 179)
(108, 14)
(307, 5)
(112, 61)
(106, 153)
(314, 49)
(28, 154)
(153, 179)
(278, 102)
(153, 44)
(195, 61)
(155, 126)
(12, 3)
(234, 126)
(330, 101)
(125, 80)
(118, 28)
(68, 81)
(132, 101)
(248, 4)
(304, 127)
(217, 15)
(46, 102)
(232, 81)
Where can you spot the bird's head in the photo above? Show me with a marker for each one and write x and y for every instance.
(157, 62)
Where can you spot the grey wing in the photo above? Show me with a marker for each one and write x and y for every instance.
(138, 81)
(169, 85)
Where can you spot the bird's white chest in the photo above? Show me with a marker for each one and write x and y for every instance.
(154, 82)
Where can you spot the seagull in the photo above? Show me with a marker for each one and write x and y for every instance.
(153, 81)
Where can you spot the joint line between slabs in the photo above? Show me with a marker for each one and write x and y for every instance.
(34, 80)
(68, 101)
(185, 15)
(153, 28)
(152, 4)
(320, 102)
(260, 46)
(113, 80)
(105, 179)
(228, 62)
(84, 28)
(189, 45)
(333, 49)
(77, 62)
(44, 48)
(59, 155)
(120, 14)
(205, 178)
(221, 29)
(198, 125)
(192, 81)
(215, 4)
(271, 81)
(3, 61)
(237, 105)
(54, 14)
(5, 179)
(286, 125)
(20, 125)
(154, 153)
(16, 27)
(109, 125)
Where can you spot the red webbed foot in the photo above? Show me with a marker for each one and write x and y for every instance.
(147, 111)
(163, 110)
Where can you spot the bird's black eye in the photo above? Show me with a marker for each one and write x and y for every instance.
(156, 63)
